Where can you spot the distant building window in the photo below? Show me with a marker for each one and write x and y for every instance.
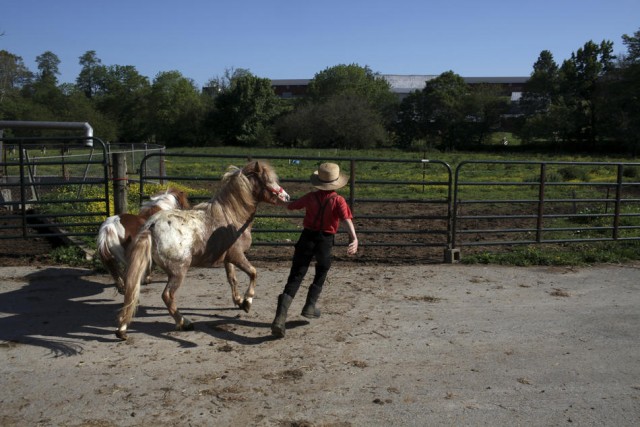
(287, 95)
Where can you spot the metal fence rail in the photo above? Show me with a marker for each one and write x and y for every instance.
(409, 204)
(418, 216)
(556, 202)
(46, 185)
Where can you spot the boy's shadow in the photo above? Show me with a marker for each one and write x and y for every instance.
(223, 329)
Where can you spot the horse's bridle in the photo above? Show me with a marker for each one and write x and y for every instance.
(277, 192)
(264, 186)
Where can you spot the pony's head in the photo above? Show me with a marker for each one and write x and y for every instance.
(267, 188)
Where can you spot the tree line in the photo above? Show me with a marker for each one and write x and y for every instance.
(589, 102)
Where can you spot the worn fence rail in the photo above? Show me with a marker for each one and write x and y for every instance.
(418, 215)
(418, 206)
(47, 184)
(557, 202)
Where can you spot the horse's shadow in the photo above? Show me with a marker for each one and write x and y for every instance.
(62, 309)
(226, 319)
(57, 309)
(222, 328)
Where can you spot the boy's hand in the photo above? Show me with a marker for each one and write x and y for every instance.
(353, 247)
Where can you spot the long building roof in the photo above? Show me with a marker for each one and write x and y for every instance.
(403, 83)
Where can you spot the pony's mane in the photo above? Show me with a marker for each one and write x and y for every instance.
(268, 174)
(234, 197)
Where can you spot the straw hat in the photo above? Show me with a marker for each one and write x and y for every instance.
(328, 177)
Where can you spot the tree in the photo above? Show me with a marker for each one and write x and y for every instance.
(410, 126)
(246, 111)
(619, 112)
(342, 121)
(633, 46)
(484, 107)
(541, 92)
(175, 109)
(579, 81)
(122, 94)
(354, 81)
(222, 83)
(440, 109)
(91, 75)
(14, 75)
(542, 87)
(79, 108)
(348, 106)
(44, 90)
(48, 66)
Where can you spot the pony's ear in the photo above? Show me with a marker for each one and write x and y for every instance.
(257, 169)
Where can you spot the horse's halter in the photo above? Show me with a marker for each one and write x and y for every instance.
(279, 192)
(282, 195)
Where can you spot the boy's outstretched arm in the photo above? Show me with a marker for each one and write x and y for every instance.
(353, 239)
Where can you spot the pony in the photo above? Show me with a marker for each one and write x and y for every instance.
(118, 231)
(217, 232)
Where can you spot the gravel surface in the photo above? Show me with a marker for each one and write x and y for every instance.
(396, 345)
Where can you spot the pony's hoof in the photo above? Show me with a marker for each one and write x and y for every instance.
(186, 325)
(246, 305)
(122, 335)
(120, 287)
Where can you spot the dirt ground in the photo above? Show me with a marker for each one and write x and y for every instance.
(429, 344)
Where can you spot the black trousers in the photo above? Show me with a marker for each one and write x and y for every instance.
(310, 244)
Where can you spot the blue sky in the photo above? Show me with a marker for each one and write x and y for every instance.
(283, 39)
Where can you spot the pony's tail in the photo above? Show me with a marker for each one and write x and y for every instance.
(139, 263)
(109, 237)
(110, 250)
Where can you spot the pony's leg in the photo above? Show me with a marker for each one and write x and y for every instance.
(243, 264)
(169, 298)
(147, 279)
(116, 272)
(233, 282)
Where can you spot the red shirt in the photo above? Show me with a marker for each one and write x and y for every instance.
(336, 210)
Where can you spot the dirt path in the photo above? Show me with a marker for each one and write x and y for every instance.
(407, 346)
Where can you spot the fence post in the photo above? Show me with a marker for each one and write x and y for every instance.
(352, 182)
(616, 216)
(541, 196)
(119, 183)
(161, 166)
(3, 154)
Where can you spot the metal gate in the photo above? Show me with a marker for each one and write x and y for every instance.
(417, 206)
(417, 216)
(53, 187)
(531, 202)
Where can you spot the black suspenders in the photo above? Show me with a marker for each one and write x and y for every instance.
(323, 206)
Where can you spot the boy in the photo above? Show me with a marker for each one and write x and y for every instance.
(324, 210)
